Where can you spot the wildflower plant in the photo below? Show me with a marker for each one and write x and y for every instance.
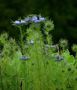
(35, 30)
(26, 21)
(35, 63)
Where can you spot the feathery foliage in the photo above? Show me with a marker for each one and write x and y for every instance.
(35, 63)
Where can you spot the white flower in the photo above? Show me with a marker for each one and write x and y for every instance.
(32, 42)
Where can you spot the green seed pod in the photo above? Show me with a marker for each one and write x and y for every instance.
(74, 47)
(63, 43)
(49, 26)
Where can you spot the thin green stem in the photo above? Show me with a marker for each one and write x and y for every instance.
(21, 40)
(1, 79)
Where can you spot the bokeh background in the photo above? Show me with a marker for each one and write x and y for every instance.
(62, 12)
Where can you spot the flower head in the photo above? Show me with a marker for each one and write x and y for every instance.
(59, 58)
(17, 22)
(24, 58)
(74, 47)
(32, 42)
(63, 43)
(42, 19)
(39, 19)
(34, 18)
(25, 21)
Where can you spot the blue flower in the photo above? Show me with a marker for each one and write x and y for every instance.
(34, 18)
(25, 21)
(36, 21)
(42, 19)
(24, 58)
(59, 58)
(17, 22)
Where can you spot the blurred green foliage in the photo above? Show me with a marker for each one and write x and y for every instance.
(39, 67)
